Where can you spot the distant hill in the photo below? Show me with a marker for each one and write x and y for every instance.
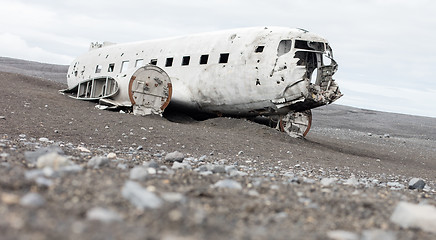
(51, 72)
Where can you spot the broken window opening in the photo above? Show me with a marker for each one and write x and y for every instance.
(315, 46)
(204, 59)
(185, 60)
(139, 62)
(111, 67)
(169, 62)
(308, 59)
(284, 47)
(98, 69)
(124, 66)
(259, 49)
(224, 57)
(153, 61)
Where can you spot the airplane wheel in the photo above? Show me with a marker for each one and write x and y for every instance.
(296, 124)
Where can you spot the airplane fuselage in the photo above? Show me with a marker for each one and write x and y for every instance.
(235, 72)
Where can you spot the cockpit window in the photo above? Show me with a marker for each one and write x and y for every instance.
(284, 47)
(314, 46)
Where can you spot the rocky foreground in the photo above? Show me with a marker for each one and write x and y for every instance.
(71, 171)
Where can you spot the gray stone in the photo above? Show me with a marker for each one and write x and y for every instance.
(179, 165)
(218, 169)
(228, 183)
(138, 173)
(32, 200)
(151, 164)
(140, 197)
(32, 156)
(409, 215)
(103, 215)
(174, 157)
(416, 183)
(97, 162)
(52, 160)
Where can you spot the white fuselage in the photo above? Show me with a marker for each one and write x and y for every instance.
(247, 71)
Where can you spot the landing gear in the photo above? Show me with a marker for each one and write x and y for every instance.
(296, 124)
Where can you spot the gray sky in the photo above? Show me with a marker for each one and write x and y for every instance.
(386, 49)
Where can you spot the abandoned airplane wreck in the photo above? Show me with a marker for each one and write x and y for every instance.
(275, 72)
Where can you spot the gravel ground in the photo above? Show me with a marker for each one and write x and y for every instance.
(71, 171)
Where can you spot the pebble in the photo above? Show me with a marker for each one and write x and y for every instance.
(97, 162)
(83, 149)
(2, 117)
(140, 197)
(174, 157)
(43, 139)
(52, 160)
(103, 215)
(111, 155)
(138, 173)
(416, 183)
(409, 215)
(228, 183)
(32, 200)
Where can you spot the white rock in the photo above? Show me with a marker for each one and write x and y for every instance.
(174, 157)
(342, 235)
(103, 215)
(139, 196)
(52, 160)
(409, 215)
(111, 155)
(32, 200)
(83, 149)
(43, 139)
(227, 183)
(328, 181)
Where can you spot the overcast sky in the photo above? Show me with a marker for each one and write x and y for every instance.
(386, 49)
